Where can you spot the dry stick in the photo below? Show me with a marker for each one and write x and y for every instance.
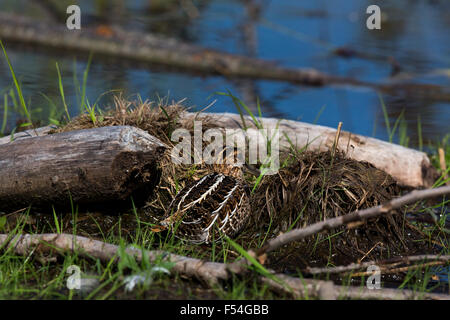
(443, 165)
(398, 270)
(327, 290)
(24, 244)
(357, 266)
(358, 215)
(336, 139)
(370, 250)
(210, 272)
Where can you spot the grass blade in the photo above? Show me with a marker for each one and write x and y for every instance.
(386, 117)
(5, 113)
(61, 90)
(16, 83)
(83, 88)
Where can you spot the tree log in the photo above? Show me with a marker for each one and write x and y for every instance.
(407, 166)
(102, 165)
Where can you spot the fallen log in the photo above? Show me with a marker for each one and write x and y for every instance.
(101, 166)
(407, 166)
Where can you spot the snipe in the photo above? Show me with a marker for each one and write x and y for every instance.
(216, 205)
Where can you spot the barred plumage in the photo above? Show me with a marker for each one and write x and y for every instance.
(216, 204)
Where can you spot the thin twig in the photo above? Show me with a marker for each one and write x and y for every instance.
(336, 139)
(401, 269)
(443, 165)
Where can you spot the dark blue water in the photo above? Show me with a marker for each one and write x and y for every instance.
(293, 33)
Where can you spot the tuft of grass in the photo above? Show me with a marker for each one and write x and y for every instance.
(5, 114)
(258, 266)
(61, 90)
(83, 88)
(399, 124)
(53, 116)
(57, 223)
(419, 132)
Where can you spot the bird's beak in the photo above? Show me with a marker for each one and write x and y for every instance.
(158, 228)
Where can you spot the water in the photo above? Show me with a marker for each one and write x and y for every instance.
(293, 33)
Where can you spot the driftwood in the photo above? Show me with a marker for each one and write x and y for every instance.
(99, 165)
(356, 216)
(407, 166)
(210, 272)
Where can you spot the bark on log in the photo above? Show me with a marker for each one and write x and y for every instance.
(42, 131)
(408, 166)
(102, 165)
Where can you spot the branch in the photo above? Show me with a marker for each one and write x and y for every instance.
(359, 215)
(396, 261)
(25, 244)
(304, 288)
(196, 268)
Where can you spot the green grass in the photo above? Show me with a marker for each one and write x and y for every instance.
(5, 114)
(61, 90)
(17, 85)
(35, 277)
(14, 101)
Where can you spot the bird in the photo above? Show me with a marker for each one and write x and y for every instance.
(202, 212)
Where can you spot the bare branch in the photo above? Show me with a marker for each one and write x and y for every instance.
(396, 261)
(24, 244)
(326, 290)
